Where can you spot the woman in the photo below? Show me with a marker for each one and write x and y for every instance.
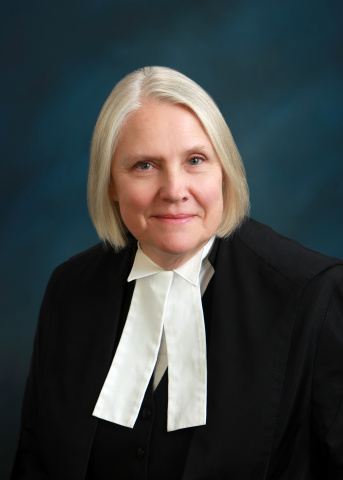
(193, 342)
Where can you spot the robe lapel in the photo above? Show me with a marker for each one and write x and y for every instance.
(87, 317)
(250, 331)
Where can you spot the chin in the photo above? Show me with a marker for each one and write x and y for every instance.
(180, 247)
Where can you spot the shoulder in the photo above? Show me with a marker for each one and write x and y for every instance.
(95, 265)
(263, 246)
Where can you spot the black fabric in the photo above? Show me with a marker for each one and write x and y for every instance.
(147, 450)
(275, 364)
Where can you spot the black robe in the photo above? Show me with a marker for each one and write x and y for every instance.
(274, 320)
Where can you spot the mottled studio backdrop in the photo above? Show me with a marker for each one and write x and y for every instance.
(273, 67)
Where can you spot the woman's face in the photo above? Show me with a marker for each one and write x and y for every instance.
(167, 180)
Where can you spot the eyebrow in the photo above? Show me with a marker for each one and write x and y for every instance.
(203, 149)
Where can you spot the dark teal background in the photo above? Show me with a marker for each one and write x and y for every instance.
(273, 67)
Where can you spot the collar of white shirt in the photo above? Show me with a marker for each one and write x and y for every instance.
(204, 276)
(176, 335)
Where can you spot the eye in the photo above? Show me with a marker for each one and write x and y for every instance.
(196, 160)
(143, 166)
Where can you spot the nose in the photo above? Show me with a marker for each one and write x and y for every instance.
(174, 186)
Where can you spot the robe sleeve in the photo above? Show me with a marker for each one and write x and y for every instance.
(327, 388)
(29, 459)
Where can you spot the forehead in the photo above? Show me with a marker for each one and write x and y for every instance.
(160, 124)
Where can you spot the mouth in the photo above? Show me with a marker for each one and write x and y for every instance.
(175, 219)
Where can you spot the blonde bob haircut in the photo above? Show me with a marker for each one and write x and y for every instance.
(164, 85)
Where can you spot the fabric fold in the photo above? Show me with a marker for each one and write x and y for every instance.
(133, 364)
(164, 303)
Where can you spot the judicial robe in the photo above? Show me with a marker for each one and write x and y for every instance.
(274, 325)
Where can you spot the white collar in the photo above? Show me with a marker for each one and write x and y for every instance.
(143, 266)
(169, 302)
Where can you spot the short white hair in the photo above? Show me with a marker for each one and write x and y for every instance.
(164, 85)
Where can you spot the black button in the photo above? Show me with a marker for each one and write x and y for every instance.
(146, 413)
(140, 453)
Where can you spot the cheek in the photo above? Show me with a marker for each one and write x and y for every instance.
(134, 199)
(211, 194)
(112, 190)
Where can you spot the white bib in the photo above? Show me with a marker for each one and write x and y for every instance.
(168, 302)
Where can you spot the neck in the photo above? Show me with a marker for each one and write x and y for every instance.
(169, 261)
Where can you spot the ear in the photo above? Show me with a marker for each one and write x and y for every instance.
(112, 190)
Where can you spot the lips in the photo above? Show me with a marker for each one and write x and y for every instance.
(179, 215)
(178, 218)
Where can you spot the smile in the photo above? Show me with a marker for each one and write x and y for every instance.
(174, 219)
